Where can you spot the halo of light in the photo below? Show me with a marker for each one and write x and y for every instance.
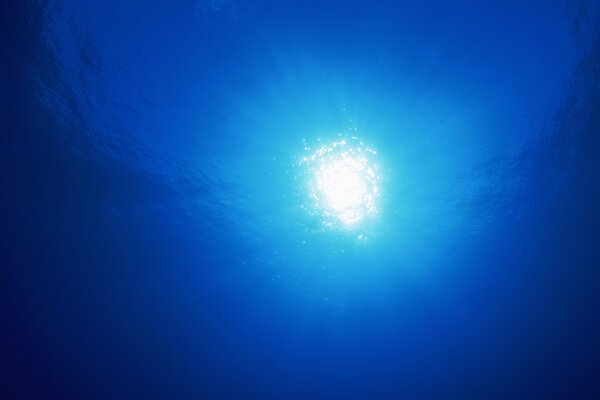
(343, 182)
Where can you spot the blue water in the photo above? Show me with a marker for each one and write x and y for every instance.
(160, 239)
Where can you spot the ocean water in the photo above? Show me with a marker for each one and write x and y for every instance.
(175, 225)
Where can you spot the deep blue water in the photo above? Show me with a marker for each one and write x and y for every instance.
(159, 239)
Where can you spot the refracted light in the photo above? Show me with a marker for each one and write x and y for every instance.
(342, 181)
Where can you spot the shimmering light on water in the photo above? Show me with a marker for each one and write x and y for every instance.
(343, 182)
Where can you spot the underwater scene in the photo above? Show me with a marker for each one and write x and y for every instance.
(300, 199)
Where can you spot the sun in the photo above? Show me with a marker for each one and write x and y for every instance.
(343, 181)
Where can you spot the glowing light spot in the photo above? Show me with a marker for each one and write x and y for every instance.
(342, 181)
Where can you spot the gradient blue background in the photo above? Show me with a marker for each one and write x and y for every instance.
(154, 243)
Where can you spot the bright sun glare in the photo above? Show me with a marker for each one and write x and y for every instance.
(343, 181)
